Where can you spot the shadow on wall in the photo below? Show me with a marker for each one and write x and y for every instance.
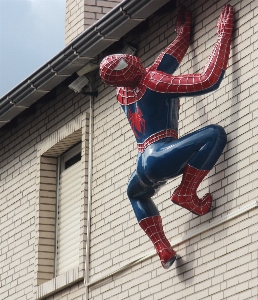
(185, 269)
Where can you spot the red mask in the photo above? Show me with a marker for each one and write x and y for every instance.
(121, 70)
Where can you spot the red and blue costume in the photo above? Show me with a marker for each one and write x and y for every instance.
(150, 100)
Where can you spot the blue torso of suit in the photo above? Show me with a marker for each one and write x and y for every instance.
(152, 114)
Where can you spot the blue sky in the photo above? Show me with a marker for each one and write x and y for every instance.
(31, 33)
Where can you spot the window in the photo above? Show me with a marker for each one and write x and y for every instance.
(60, 224)
(68, 211)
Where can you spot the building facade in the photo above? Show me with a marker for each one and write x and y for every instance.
(109, 256)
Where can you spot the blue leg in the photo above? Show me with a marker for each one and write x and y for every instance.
(167, 159)
(140, 197)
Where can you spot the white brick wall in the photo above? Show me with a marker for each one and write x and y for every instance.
(220, 263)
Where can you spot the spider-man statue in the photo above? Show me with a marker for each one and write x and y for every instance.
(149, 98)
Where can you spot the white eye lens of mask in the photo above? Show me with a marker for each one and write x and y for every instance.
(121, 65)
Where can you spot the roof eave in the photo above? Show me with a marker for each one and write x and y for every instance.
(109, 29)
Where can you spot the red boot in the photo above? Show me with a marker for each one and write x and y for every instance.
(154, 229)
(185, 194)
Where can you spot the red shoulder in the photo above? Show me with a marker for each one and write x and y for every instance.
(126, 96)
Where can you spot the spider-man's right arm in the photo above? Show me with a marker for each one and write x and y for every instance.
(212, 74)
(170, 58)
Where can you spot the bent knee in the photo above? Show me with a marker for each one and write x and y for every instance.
(135, 187)
(138, 189)
(217, 131)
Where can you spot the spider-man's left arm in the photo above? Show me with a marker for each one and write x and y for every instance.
(212, 74)
(170, 58)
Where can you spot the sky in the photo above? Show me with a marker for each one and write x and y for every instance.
(31, 33)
